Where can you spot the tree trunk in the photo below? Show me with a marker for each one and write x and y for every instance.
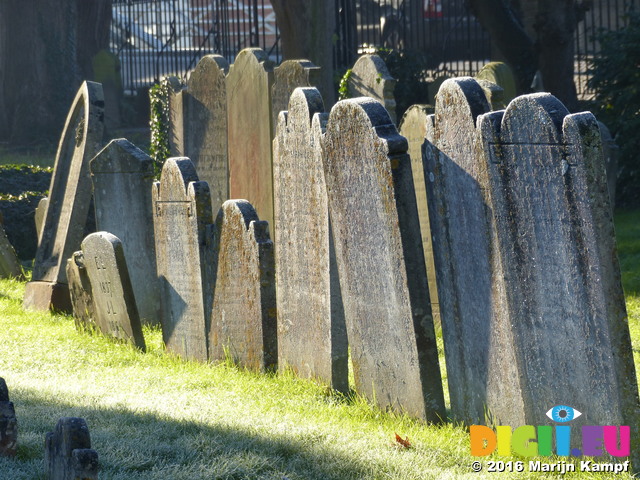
(94, 21)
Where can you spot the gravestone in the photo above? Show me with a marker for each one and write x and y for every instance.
(176, 107)
(115, 310)
(383, 280)
(68, 454)
(288, 76)
(611, 153)
(182, 226)
(243, 318)
(500, 74)
(69, 199)
(8, 423)
(414, 128)
(250, 131)
(81, 295)
(122, 176)
(556, 244)
(370, 77)
(312, 337)
(9, 264)
(479, 357)
(494, 94)
(41, 209)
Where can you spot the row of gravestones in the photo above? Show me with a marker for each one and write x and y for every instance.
(68, 454)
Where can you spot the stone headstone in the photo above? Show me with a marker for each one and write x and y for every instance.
(414, 128)
(312, 336)
(383, 280)
(9, 263)
(122, 176)
(41, 209)
(288, 76)
(182, 225)
(68, 454)
(250, 131)
(116, 313)
(69, 199)
(80, 292)
(8, 423)
(494, 94)
(243, 318)
(611, 153)
(176, 114)
(500, 74)
(370, 77)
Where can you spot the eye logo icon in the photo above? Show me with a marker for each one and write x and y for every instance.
(563, 413)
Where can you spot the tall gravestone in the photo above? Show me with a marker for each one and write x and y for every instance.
(380, 260)
(243, 317)
(8, 423)
(9, 264)
(69, 199)
(182, 226)
(288, 76)
(250, 130)
(312, 337)
(370, 77)
(556, 243)
(414, 128)
(479, 357)
(115, 310)
(122, 176)
(68, 454)
(81, 293)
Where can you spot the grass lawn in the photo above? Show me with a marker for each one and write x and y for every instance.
(154, 416)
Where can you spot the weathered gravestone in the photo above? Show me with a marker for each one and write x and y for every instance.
(69, 199)
(250, 131)
(8, 423)
(287, 76)
(182, 225)
(413, 127)
(122, 176)
(68, 454)
(116, 313)
(41, 209)
(500, 74)
(380, 260)
(370, 77)
(556, 243)
(611, 152)
(81, 294)
(312, 337)
(243, 318)
(202, 135)
(9, 264)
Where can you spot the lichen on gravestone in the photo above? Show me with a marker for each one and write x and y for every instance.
(80, 292)
(68, 454)
(370, 77)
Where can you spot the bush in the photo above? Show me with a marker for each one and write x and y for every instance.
(616, 80)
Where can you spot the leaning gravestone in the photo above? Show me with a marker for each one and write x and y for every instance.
(122, 176)
(250, 131)
(9, 264)
(116, 313)
(289, 75)
(8, 423)
(380, 260)
(243, 318)
(414, 128)
(68, 454)
(69, 199)
(182, 226)
(312, 337)
(81, 294)
(370, 77)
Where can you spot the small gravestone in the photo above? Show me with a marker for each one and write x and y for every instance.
(414, 128)
(8, 423)
(182, 225)
(122, 176)
(69, 200)
(250, 131)
(494, 94)
(500, 74)
(288, 76)
(243, 318)
(80, 292)
(68, 454)
(370, 77)
(383, 280)
(116, 314)
(9, 264)
(41, 210)
(312, 336)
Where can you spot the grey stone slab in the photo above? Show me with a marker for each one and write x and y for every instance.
(380, 260)
(8, 423)
(182, 225)
(413, 127)
(9, 264)
(80, 292)
(312, 336)
(41, 210)
(116, 313)
(250, 131)
(68, 454)
(611, 153)
(243, 317)
(122, 176)
(69, 199)
(370, 77)
(288, 76)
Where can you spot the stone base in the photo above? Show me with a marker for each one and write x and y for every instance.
(47, 296)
